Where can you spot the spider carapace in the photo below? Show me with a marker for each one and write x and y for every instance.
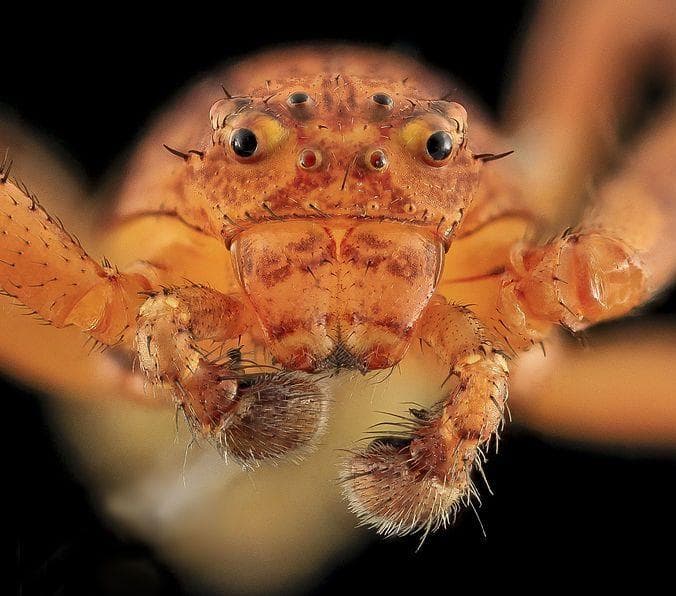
(365, 209)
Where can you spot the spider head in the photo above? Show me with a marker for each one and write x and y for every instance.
(321, 182)
(338, 147)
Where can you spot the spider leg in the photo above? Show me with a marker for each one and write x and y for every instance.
(619, 391)
(612, 392)
(583, 69)
(251, 416)
(577, 97)
(45, 268)
(56, 360)
(415, 479)
(620, 255)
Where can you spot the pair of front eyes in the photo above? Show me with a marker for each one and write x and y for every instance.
(438, 147)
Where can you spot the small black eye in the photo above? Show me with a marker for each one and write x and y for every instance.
(243, 142)
(297, 98)
(382, 99)
(439, 145)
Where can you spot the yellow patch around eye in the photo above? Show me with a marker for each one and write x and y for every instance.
(417, 132)
(414, 134)
(269, 131)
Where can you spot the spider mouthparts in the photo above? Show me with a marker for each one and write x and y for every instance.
(341, 357)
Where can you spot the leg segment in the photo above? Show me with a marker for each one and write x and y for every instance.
(250, 416)
(416, 478)
(39, 354)
(623, 252)
(582, 73)
(46, 269)
(576, 280)
(616, 391)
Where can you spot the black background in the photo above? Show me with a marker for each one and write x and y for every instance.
(563, 516)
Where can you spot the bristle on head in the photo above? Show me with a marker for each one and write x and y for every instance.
(486, 157)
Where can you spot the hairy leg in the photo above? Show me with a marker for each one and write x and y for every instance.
(620, 255)
(38, 354)
(45, 268)
(570, 123)
(251, 416)
(415, 477)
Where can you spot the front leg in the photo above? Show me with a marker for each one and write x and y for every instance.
(46, 269)
(577, 280)
(415, 480)
(622, 252)
(251, 416)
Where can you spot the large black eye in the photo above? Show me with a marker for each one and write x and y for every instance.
(439, 145)
(243, 142)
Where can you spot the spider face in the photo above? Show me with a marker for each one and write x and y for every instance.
(338, 199)
(336, 147)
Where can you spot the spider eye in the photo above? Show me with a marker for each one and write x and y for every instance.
(382, 99)
(309, 159)
(243, 142)
(377, 160)
(298, 98)
(439, 145)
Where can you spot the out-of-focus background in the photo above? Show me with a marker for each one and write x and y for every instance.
(562, 513)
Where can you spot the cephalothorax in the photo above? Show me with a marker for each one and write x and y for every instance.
(358, 202)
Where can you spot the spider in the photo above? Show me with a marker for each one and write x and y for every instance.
(337, 210)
